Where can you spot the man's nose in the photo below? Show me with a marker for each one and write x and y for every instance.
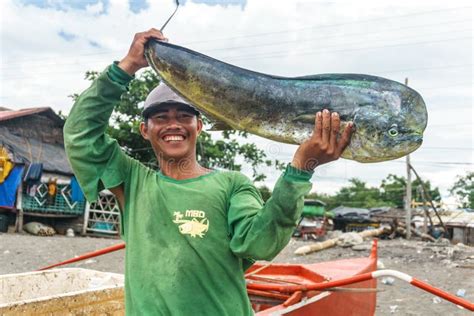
(173, 120)
(173, 123)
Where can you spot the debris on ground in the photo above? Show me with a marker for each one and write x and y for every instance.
(27, 253)
(388, 280)
(344, 240)
(461, 293)
(39, 229)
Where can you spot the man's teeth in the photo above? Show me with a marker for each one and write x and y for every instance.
(173, 137)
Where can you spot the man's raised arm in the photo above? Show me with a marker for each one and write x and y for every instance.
(97, 160)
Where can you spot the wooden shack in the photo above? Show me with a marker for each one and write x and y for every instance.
(35, 136)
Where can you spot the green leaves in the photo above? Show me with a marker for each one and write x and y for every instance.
(463, 189)
(391, 192)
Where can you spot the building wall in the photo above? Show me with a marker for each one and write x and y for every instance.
(458, 235)
(36, 126)
(470, 236)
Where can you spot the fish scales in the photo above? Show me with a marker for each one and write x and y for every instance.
(389, 117)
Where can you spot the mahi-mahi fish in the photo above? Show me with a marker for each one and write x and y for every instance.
(389, 117)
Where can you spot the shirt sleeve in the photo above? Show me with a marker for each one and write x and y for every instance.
(259, 231)
(96, 159)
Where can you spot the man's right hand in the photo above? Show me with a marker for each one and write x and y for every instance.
(135, 58)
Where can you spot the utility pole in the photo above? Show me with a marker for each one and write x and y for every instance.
(408, 193)
(419, 189)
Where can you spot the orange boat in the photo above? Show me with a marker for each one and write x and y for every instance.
(342, 287)
(286, 289)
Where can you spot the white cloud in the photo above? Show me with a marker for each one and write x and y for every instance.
(95, 9)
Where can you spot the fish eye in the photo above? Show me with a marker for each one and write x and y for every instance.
(393, 131)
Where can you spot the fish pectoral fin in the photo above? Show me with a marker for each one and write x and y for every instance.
(220, 126)
(305, 118)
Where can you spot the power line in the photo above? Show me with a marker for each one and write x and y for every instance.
(330, 25)
(68, 70)
(315, 52)
(75, 62)
(331, 36)
(450, 125)
(459, 84)
(284, 31)
(424, 68)
(449, 148)
(439, 162)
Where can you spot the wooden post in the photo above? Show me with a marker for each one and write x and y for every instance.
(430, 200)
(85, 223)
(19, 209)
(408, 192)
(425, 211)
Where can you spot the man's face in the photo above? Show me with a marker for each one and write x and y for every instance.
(172, 131)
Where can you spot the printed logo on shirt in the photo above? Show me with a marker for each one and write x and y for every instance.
(193, 222)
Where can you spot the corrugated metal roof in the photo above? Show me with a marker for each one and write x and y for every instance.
(345, 211)
(452, 218)
(8, 115)
(460, 218)
(13, 114)
(28, 150)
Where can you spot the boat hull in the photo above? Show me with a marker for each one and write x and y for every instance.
(361, 301)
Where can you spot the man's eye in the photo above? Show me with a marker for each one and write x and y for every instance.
(184, 116)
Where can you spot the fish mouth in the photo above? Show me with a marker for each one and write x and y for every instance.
(407, 146)
(363, 152)
(417, 138)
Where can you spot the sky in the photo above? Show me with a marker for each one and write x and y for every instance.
(48, 45)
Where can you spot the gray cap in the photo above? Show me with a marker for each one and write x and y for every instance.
(162, 94)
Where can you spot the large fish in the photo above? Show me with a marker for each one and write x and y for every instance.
(389, 117)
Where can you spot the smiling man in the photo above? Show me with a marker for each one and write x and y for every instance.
(172, 126)
(190, 232)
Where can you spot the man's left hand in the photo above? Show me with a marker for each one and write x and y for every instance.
(325, 144)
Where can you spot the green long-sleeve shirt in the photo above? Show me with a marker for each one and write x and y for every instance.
(188, 241)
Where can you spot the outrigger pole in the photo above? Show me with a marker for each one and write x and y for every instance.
(295, 291)
(86, 256)
(292, 288)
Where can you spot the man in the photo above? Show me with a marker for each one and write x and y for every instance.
(190, 232)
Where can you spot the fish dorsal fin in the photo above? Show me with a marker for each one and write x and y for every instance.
(340, 76)
(220, 126)
(305, 118)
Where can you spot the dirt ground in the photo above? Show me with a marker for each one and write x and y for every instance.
(446, 266)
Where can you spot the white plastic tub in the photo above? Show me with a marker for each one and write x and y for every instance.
(67, 291)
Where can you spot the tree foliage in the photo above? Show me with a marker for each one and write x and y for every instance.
(227, 152)
(391, 192)
(357, 194)
(329, 200)
(394, 188)
(463, 189)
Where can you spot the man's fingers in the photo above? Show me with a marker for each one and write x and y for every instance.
(326, 126)
(318, 125)
(335, 124)
(159, 36)
(151, 33)
(345, 138)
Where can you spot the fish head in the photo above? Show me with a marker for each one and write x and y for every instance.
(186, 228)
(388, 133)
